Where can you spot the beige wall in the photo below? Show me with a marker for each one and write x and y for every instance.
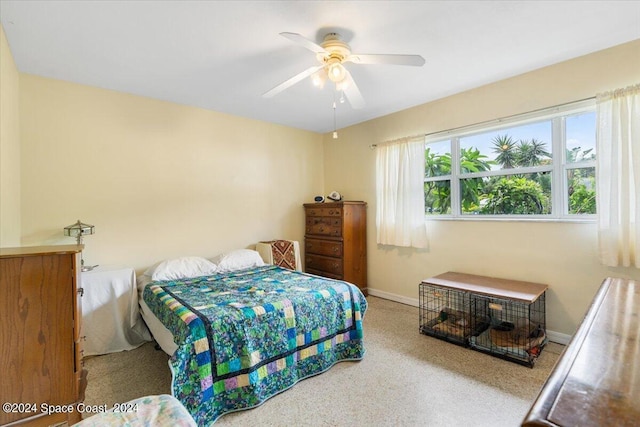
(9, 147)
(157, 179)
(563, 255)
(161, 180)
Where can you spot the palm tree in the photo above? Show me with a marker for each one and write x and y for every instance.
(505, 147)
(577, 154)
(531, 153)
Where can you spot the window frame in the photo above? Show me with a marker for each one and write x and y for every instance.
(558, 169)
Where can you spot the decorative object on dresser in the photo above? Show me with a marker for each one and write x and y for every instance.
(335, 196)
(596, 381)
(78, 230)
(336, 241)
(111, 319)
(41, 361)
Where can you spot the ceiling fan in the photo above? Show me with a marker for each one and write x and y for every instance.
(332, 54)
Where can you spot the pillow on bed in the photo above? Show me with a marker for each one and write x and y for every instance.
(181, 268)
(237, 260)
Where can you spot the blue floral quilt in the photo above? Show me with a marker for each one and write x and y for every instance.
(245, 336)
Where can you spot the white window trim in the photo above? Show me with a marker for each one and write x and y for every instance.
(558, 168)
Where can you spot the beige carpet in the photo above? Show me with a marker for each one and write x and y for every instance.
(405, 379)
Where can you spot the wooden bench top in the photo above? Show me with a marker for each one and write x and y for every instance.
(490, 286)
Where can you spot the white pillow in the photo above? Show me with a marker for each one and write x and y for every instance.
(237, 260)
(181, 268)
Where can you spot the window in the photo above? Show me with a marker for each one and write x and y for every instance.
(539, 165)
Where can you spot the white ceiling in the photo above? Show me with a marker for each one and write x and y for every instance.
(223, 55)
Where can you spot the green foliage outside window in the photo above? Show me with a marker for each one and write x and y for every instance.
(438, 193)
(582, 194)
(518, 194)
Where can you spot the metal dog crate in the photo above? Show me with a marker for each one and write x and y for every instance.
(517, 329)
(447, 314)
(504, 318)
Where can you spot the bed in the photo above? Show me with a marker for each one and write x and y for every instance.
(239, 336)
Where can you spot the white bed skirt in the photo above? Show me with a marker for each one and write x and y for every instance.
(162, 335)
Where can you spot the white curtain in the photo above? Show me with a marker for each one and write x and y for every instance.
(618, 177)
(400, 219)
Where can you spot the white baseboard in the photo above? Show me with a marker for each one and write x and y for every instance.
(556, 337)
(393, 297)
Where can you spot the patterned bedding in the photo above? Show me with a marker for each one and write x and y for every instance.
(245, 336)
(161, 410)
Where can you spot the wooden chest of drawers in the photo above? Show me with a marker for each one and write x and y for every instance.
(41, 361)
(336, 241)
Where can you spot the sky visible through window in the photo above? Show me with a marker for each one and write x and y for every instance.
(541, 131)
(580, 132)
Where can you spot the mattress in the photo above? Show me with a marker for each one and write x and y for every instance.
(162, 335)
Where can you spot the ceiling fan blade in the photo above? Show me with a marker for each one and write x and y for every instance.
(352, 92)
(304, 42)
(293, 80)
(415, 60)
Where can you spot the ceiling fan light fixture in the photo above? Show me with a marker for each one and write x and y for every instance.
(336, 72)
(319, 78)
(331, 54)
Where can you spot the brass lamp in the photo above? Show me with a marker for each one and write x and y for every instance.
(78, 230)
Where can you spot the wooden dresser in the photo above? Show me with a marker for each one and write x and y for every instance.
(335, 241)
(596, 381)
(40, 356)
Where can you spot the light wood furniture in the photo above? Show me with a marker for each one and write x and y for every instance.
(335, 241)
(596, 381)
(40, 356)
(515, 290)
